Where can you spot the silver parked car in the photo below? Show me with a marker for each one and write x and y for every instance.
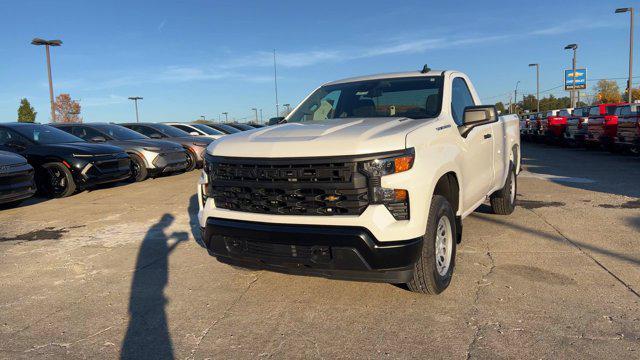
(149, 157)
(195, 145)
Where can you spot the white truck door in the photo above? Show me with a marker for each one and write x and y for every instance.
(477, 159)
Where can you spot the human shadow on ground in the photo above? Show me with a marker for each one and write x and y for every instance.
(147, 334)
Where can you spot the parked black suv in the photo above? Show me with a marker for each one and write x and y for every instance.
(64, 163)
(16, 179)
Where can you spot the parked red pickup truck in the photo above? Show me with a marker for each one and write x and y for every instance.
(556, 124)
(576, 128)
(628, 134)
(602, 125)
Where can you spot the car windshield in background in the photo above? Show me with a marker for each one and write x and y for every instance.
(243, 127)
(170, 131)
(118, 132)
(43, 134)
(414, 97)
(207, 130)
(226, 128)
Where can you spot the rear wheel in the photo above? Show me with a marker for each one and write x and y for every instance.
(191, 160)
(56, 181)
(434, 269)
(503, 201)
(138, 168)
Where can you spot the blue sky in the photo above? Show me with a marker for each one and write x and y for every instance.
(192, 58)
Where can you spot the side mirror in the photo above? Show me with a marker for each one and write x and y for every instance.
(194, 133)
(98, 139)
(155, 136)
(476, 116)
(276, 120)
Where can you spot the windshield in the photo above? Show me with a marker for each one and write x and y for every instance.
(207, 130)
(226, 128)
(414, 97)
(43, 134)
(242, 127)
(170, 131)
(118, 132)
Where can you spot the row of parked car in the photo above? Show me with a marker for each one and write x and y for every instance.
(58, 160)
(615, 127)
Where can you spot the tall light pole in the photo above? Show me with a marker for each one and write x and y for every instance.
(261, 116)
(573, 47)
(204, 118)
(256, 111)
(135, 101)
(515, 98)
(537, 85)
(226, 117)
(47, 43)
(275, 81)
(630, 81)
(288, 107)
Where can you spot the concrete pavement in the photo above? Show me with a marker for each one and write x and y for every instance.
(116, 272)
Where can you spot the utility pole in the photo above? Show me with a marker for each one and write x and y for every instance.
(515, 98)
(537, 85)
(47, 43)
(630, 81)
(135, 100)
(573, 47)
(275, 81)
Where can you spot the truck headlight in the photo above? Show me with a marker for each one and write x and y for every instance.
(395, 200)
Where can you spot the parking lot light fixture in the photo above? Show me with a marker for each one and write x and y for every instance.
(630, 81)
(135, 100)
(256, 111)
(573, 47)
(226, 116)
(47, 43)
(537, 85)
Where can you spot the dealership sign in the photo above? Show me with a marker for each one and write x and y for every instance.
(575, 81)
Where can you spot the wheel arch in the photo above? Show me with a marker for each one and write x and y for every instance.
(448, 186)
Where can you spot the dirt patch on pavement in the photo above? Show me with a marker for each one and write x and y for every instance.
(48, 233)
(536, 204)
(632, 204)
(536, 274)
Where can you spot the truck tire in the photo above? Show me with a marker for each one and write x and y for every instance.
(434, 268)
(138, 168)
(56, 181)
(503, 201)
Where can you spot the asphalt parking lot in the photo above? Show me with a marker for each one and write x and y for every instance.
(116, 272)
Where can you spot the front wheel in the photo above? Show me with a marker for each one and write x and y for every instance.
(138, 168)
(191, 160)
(56, 181)
(503, 201)
(434, 269)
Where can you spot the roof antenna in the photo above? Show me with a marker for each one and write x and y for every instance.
(425, 69)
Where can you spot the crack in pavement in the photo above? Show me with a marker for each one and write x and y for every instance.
(222, 317)
(474, 313)
(587, 254)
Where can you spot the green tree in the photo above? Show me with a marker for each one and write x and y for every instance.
(635, 94)
(528, 103)
(607, 91)
(26, 112)
(500, 107)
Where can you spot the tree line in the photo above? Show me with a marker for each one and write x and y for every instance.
(606, 91)
(66, 110)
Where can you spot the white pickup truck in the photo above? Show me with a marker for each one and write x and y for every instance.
(369, 178)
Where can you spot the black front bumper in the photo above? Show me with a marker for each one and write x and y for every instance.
(17, 183)
(350, 253)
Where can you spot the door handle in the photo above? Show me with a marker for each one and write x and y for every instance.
(487, 136)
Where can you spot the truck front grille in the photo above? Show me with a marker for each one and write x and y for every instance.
(287, 187)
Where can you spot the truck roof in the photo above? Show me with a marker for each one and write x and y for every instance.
(388, 76)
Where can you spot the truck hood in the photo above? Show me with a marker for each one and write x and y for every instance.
(354, 136)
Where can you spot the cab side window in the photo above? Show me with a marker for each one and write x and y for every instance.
(460, 99)
(85, 133)
(184, 128)
(145, 130)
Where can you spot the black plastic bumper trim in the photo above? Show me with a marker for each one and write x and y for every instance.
(355, 254)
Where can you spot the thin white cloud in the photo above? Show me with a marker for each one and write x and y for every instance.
(161, 25)
(103, 101)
